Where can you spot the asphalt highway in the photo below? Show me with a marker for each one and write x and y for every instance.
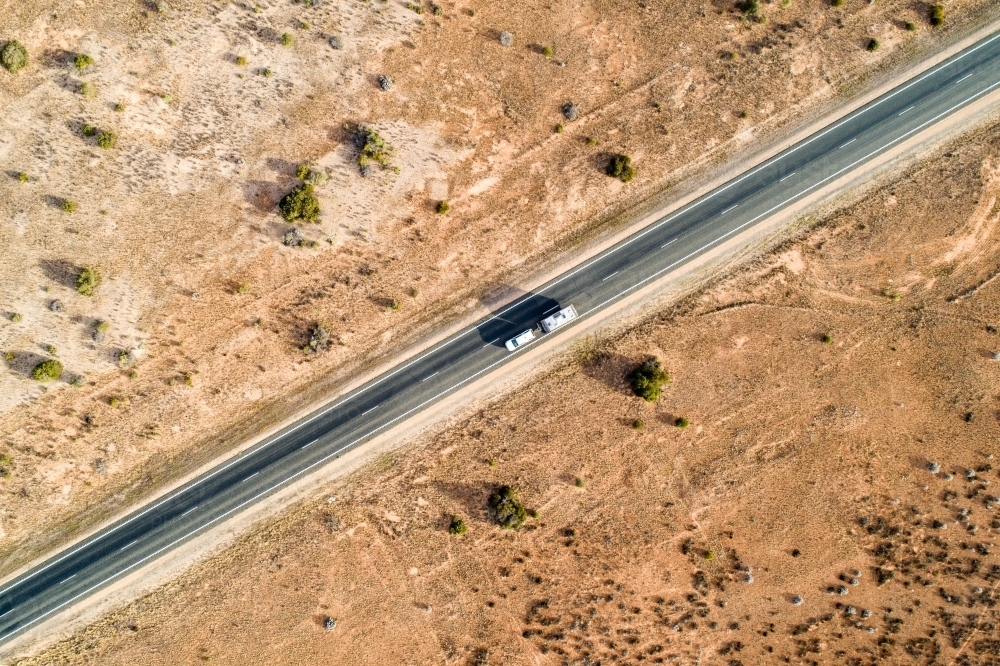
(348, 422)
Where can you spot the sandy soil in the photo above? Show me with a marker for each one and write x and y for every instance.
(212, 310)
(820, 384)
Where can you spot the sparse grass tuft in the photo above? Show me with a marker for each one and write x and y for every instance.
(288, 39)
(87, 281)
(648, 379)
(13, 56)
(120, 107)
(241, 61)
(506, 509)
(47, 371)
(69, 205)
(88, 90)
(88, 130)
(82, 61)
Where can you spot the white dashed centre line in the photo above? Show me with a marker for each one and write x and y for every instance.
(611, 276)
(963, 78)
(128, 545)
(429, 376)
(250, 477)
(667, 243)
(188, 511)
(904, 111)
(370, 410)
(787, 177)
(848, 143)
(727, 210)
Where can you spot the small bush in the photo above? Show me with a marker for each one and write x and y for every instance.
(88, 130)
(82, 61)
(319, 340)
(457, 526)
(911, 26)
(16, 317)
(443, 207)
(50, 349)
(23, 177)
(47, 371)
(14, 57)
(836, 3)
(620, 167)
(395, 304)
(288, 39)
(547, 51)
(87, 281)
(88, 90)
(436, 9)
(106, 139)
(506, 39)
(114, 401)
(509, 513)
(119, 107)
(648, 379)
(937, 15)
(638, 425)
(579, 483)
(591, 141)
(682, 422)
(559, 128)
(372, 148)
(69, 206)
(414, 7)
(300, 205)
(873, 45)
(241, 61)
(827, 339)
(751, 10)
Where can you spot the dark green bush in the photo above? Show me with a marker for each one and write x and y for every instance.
(547, 51)
(506, 509)
(88, 130)
(682, 422)
(620, 167)
(300, 205)
(14, 57)
(911, 26)
(457, 526)
(873, 45)
(47, 371)
(648, 379)
(937, 15)
(87, 281)
(442, 207)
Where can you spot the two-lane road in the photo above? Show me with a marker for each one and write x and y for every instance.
(351, 420)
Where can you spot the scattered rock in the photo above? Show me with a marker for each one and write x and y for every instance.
(570, 111)
(329, 624)
(292, 238)
(336, 43)
(384, 82)
(933, 467)
(56, 306)
(797, 600)
(506, 39)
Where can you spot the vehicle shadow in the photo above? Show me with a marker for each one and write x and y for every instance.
(519, 315)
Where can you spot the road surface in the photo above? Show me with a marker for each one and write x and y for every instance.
(348, 422)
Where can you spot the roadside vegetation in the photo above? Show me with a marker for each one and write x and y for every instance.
(649, 379)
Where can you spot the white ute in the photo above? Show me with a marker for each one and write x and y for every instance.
(520, 339)
(547, 325)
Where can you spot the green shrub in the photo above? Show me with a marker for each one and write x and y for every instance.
(47, 371)
(101, 326)
(414, 7)
(827, 339)
(241, 61)
(591, 141)
(911, 26)
(457, 526)
(51, 349)
(547, 51)
(371, 148)
(681, 422)
(87, 281)
(302, 171)
(620, 167)
(300, 205)
(873, 45)
(751, 9)
(638, 425)
(106, 139)
(287, 39)
(88, 90)
(509, 513)
(442, 207)
(579, 483)
(82, 61)
(836, 3)
(16, 317)
(937, 15)
(88, 130)
(14, 57)
(69, 205)
(648, 379)
(23, 177)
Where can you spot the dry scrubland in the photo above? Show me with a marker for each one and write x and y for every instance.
(214, 105)
(820, 384)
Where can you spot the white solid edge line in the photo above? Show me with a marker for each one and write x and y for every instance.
(855, 114)
(489, 367)
(788, 176)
